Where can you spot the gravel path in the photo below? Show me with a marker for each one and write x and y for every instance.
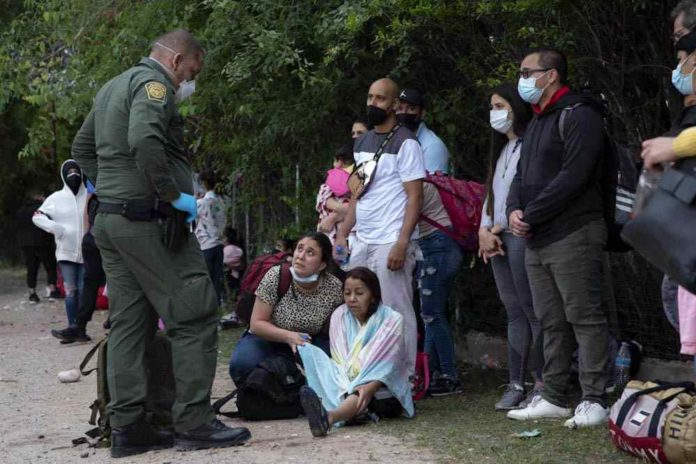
(39, 416)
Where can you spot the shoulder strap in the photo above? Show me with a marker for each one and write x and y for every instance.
(217, 406)
(284, 280)
(565, 112)
(386, 140)
(443, 229)
(88, 357)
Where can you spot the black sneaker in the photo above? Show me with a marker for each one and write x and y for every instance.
(71, 334)
(215, 434)
(139, 437)
(34, 298)
(55, 295)
(107, 324)
(445, 386)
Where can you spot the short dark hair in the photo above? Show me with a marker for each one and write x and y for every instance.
(688, 7)
(345, 154)
(553, 58)
(371, 281)
(208, 179)
(325, 246)
(182, 41)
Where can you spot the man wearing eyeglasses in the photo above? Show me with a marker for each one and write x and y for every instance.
(684, 17)
(386, 215)
(555, 202)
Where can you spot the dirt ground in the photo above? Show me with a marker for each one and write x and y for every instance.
(39, 416)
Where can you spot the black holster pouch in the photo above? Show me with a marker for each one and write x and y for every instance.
(176, 230)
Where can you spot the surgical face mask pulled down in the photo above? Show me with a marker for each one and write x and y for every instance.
(310, 279)
(500, 120)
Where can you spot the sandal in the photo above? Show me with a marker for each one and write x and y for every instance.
(316, 414)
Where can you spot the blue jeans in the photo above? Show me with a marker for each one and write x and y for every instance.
(73, 280)
(213, 260)
(442, 258)
(252, 349)
(523, 328)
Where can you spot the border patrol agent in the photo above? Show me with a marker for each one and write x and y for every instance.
(132, 144)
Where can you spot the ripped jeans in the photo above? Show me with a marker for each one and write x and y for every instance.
(73, 280)
(442, 258)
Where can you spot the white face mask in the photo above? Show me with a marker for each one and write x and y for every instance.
(500, 120)
(310, 279)
(186, 89)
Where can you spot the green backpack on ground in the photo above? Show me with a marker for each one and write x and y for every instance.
(161, 387)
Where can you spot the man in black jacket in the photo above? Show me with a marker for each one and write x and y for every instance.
(555, 201)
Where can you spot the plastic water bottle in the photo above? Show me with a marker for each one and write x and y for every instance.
(622, 366)
(342, 256)
(647, 184)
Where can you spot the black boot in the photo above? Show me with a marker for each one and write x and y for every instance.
(138, 437)
(71, 334)
(212, 435)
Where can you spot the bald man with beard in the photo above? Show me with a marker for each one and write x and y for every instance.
(387, 214)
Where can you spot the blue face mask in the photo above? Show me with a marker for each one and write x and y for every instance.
(528, 90)
(684, 83)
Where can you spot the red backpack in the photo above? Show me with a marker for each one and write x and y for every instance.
(252, 279)
(463, 201)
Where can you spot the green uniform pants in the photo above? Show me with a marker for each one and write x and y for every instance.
(143, 275)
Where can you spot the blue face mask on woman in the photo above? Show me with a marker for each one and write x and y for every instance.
(684, 83)
(528, 90)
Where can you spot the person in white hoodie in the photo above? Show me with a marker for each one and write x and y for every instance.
(62, 215)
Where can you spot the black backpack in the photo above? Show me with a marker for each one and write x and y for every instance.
(270, 391)
(161, 391)
(619, 182)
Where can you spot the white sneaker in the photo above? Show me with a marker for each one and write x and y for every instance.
(539, 408)
(587, 414)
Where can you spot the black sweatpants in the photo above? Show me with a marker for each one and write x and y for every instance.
(35, 255)
(94, 278)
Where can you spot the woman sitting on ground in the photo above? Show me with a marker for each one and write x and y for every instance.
(366, 356)
(279, 324)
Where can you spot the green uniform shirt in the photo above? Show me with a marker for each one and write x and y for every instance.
(132, 141)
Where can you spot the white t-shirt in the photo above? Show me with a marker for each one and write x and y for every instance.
(380, 212)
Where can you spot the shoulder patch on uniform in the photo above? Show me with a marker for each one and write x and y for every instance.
(156, 91)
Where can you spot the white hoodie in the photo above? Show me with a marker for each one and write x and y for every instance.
(62, 215)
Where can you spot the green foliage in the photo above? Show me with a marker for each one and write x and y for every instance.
(284, 80)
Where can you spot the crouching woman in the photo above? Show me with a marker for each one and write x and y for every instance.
(366, 357)
(280, 322)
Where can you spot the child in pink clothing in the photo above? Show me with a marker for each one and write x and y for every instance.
(334, 191)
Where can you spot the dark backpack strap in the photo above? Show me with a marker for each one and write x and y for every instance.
(284, 280)
(633, 398)
(217, 406)
(89, 356)
(565, 112)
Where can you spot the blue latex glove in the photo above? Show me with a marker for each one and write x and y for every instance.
(90, 186)
(187, 204)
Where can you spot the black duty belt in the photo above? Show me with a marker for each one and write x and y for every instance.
(138, 210)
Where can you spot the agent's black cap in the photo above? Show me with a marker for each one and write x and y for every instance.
(412, 97)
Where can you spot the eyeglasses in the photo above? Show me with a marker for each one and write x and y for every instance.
(525, 73)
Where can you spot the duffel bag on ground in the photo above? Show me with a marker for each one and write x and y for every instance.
(679, 436)
(637, 419)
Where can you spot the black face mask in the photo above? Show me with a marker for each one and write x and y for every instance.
(409, 120)
(375, 115)
(74, 182)
(687, 43)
